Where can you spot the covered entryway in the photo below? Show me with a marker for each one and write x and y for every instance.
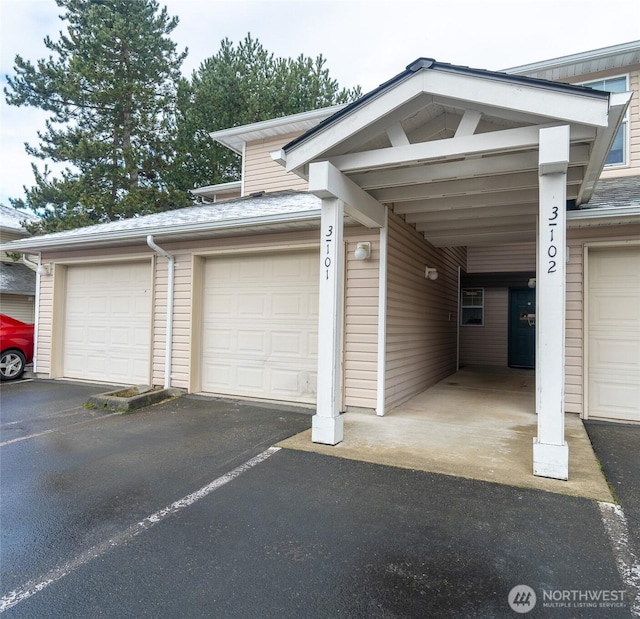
(466, 158)
(107, 323)
(614, 333)
(260, 325)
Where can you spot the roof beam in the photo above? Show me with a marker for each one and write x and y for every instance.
(396, 135)
(504, 198)
(479, 184)
(325, 181)
(475, 213)
(442, 228)
(522, 138)
(351, 123)
(453, 170)
(468, 123)
(506, 234)
(378, 127)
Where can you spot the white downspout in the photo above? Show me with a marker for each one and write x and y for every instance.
(382, 318)
(36, 267)
(170, 296)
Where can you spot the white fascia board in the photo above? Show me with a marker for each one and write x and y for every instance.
(219, 188)
(603, 216)
(354, 122)
(521, 138)
(572, 59)
(165, 232)
(618, 104)
(325, 181)
(234, 137)
(553, 103)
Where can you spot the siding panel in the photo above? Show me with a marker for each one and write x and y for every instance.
(361, 321)
(421, 314)
(488, 344)
(501, 258)
(261, 173)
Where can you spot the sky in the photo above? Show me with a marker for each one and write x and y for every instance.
(364, 42)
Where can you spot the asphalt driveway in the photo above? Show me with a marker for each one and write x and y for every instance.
(182, 509)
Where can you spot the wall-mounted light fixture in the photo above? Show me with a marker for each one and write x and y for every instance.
(363, 251)
(44, 269)
(431, 273)
(532, 282)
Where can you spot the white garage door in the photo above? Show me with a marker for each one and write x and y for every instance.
(614, 333)
(260, 323)
(107, 330)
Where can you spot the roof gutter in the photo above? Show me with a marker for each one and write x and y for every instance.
(603, 216)
(170, 297)
(136, 234)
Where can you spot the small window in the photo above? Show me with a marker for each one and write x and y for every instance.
(472, 307)
(618, 152)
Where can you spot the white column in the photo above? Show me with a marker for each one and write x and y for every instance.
(550, 451)
(327, 423)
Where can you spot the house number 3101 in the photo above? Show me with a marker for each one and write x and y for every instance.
(552, 250)
(328, 237)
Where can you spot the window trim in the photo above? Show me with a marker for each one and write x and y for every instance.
(480, 307)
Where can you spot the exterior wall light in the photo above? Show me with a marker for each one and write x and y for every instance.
(431, 273)
(532, 282)
(44, 269)
(363, 251)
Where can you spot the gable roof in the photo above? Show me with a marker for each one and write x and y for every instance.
(430, 63)
(454, 149)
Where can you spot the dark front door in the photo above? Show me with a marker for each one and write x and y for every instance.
(522, 327)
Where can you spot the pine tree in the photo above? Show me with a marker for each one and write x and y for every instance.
(239, 85)
(110, 86)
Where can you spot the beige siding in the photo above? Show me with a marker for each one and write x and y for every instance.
(501, 258)
(361, 321)
(574, 325)
(488, 344)
(45, 326)
(421, 314)
(261, 173)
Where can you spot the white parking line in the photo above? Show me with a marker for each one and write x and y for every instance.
(52, 430)
(615, 524)
(34, 586)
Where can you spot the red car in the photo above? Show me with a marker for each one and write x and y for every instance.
(16, 344)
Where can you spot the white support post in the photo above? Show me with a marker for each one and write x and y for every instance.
(327, 423)
(550, 450)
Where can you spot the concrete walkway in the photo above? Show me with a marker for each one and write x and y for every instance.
(479, 424)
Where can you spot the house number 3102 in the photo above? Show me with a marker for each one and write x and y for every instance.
(552, 250)
(328, 237)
